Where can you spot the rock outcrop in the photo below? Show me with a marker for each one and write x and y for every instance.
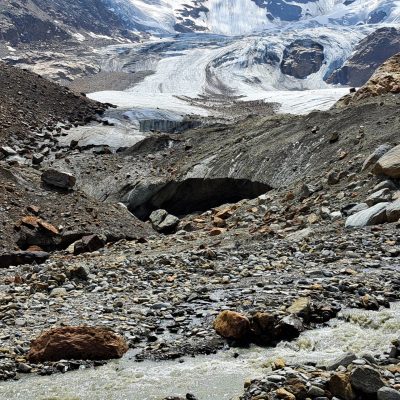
(77, 343)
(369, 55)
(386, 80)
(302, 58)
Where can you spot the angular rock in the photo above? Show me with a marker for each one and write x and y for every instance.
(77, 343)
(339, 385)
(301, 307)
(389, 164)
(232, 325)
(58, 179)
(343, 361)
(289, 328)
(88, 244)
(372, 216)
(376, 155)
(393, 211)
(23, 257)
(381, 196)
(163, 222)
(366, 380)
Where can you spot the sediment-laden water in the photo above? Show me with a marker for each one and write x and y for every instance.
(216, 377)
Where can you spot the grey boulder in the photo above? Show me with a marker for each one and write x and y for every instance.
(58, 179)
(374, 215)
(163, 222)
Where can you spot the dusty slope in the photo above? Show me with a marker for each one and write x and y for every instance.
(30, 103)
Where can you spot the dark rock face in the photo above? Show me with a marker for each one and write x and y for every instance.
(77, 343)
(33, 20)
(371, 52)
(302, 58)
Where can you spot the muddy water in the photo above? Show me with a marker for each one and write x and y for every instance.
(217, 377)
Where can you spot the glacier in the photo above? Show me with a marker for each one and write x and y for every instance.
(235, 48)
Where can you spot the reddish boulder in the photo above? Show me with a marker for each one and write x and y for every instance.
(77, 343)
(232, 325)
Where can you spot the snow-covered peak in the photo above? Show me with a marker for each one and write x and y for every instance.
(237, 17)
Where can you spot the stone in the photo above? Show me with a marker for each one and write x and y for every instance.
(339, 385)
(88, 244)
(366, 380)
(389, 164)
(22, 257)
(284, 394)
(301, 307)
(374, 215)
(355, 208)
(163, 222)
(393, 211)
(387, 393)
(77, 343)
(289, 327)
(342, 361)
(232, 325)
(58, 179)
(376, 155)
(381, 196)
(58, 292)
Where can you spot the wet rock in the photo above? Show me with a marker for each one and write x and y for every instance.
(389, 164)
(372, 216)
(289, 327)
(232, 325)
(163, 222)
(77, 343)
(301, 307)
(339, 385)
(343, 361)
(366, 380)
(58, 179)
(387, 393)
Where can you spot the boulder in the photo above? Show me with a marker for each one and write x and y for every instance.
(380, 196)
(232, 325)
(393, 211)
(387, 393)
(58, 179)
(389, 164)
(88, 244)
(366, 380)
(372, 216)
(376, 155)
(289, 327)
(342, 361)
(77, 343)
(301, 307)
(22, 257)
(163, 222)
(340, 386)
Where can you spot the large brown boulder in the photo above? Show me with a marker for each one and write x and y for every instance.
(77, 343)
(232, 325)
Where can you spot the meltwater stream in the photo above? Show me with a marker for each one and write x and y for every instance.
(217, 377)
